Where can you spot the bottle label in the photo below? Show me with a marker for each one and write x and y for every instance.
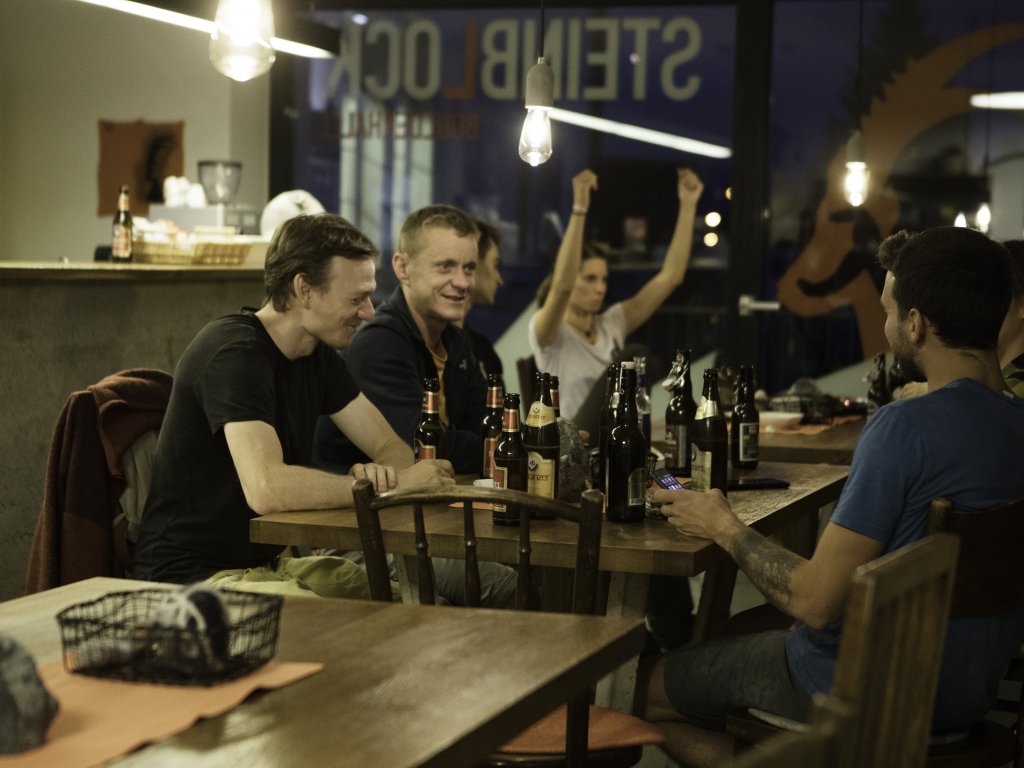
(494, 397)
(635, 487)
(510, 421)
(122, 242)
(700, 471)
(430, 399)
(706, 408)
(675, 446)
(540, 415)
(489, 444)
(748, 441)
(540, 475)
(500, 481)
(425, 451)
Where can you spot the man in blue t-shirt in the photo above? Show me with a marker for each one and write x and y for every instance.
(945, 295)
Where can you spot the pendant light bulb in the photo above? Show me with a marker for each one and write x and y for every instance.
(535, 140)
(240, 44)
(983, 218)
(960, 220)
(855, 184)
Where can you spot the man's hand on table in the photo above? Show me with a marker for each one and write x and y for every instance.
(427, 472)
(704, 515)
(383, 476)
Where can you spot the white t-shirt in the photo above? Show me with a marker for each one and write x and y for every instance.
(577, 363)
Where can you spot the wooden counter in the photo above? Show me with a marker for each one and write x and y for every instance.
(65, 327)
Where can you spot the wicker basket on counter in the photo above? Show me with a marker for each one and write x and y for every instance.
(203, 252)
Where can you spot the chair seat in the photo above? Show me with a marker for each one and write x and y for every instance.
(608, 730)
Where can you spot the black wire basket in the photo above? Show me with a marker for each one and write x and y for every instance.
(126, 636)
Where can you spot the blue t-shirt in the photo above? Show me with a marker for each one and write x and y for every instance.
(962, 442)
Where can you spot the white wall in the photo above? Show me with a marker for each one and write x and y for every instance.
(66, 65)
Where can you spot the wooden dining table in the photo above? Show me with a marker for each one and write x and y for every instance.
(402, 686)
(833, 445)
(630, 552)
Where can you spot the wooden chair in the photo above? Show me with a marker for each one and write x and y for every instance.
(613, 739)
(887, 667)
(989, 582)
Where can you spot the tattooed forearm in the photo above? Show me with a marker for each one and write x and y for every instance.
(766, 564)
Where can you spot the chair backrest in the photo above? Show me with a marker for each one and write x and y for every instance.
(587, 516)
(890, 650)
(989, 577)
(821, 745)
(526, 368)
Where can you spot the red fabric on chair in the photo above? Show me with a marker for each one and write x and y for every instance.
(74, 537)
(608, 730)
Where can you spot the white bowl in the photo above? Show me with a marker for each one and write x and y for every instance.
(780, 419)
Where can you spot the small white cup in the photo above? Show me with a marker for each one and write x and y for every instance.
(484, 482)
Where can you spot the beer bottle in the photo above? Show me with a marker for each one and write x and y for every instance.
(121, 244)
(709, 440)
(607, 418)
(626, 451)
(542, 445)
(746, 422)
(491, 429)
(643, 398)
(878, 391)
(510, 461)
(429, 442)
(554, 396)
(679, 415)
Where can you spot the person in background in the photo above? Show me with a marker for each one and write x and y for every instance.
(237, 437)
(486, 282)
(414, 336)
(1011, 335)
(945, 296)
(569, 334)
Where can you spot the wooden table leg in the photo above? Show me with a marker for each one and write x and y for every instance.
(715, 599)
(627, 597)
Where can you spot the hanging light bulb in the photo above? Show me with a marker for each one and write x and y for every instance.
(960, 220)
(983, 218)
(240, 44)
(535, 140)
(855, 185)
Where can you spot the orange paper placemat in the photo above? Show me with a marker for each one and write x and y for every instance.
(102, 719)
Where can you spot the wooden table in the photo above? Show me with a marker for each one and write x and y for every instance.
(631, 552)
(404, 685)
(831, 446)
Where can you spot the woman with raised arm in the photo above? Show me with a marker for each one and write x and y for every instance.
(569, 334)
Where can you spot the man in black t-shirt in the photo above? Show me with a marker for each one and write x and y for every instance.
(237, 437)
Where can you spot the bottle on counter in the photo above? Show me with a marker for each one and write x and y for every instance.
(429, 440)
(643, 398)
(626, 452)
(542, 444)
(746, 422)
(491, 428)
(121, 243)
(709, 446)
(510, 461)
(679, 415)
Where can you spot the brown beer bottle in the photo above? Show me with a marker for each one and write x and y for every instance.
(679, 415)
(510, 461)
(626, 451)
(746, 423)
(542, 445)
(121, 242)
(491, 430)
(429, 442)
(607, 418)
(709, 446)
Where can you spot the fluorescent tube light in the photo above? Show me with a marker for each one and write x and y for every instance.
(204, 25)
(1004, 100)
(627, 131)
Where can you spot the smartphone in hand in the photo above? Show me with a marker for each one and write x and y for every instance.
(667, 480)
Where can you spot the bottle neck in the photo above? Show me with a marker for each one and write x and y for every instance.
(430, 404)
(510, 420)
(495, 397)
